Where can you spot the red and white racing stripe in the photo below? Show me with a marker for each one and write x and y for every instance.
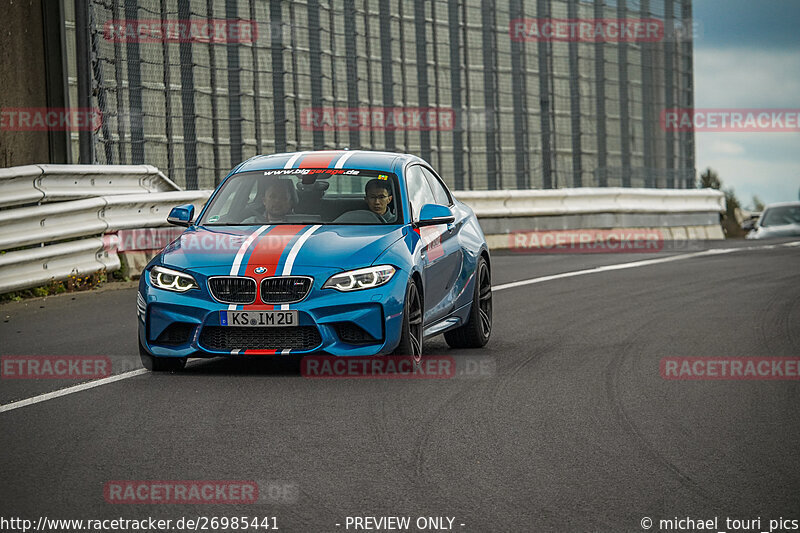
(237, 260)
(347, 155)
(319, 159)
(322, 159)
(270, 244)
(292, 160)
(267, 253)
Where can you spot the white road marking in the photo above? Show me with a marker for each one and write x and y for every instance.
(621, 266)
(635, 264)
(70, 390)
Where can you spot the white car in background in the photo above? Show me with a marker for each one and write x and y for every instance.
(778, 220)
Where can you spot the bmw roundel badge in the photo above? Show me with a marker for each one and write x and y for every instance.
(260, 270)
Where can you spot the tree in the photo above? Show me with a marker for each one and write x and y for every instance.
(709, 179)
(758, 205)
(729, 222)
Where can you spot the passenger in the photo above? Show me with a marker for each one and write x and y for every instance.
(378, 195)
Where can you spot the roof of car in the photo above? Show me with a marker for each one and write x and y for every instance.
(352, 159)
(783, 204)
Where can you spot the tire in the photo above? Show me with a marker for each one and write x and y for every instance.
(160, 364)
(476, 332)
(411, 333)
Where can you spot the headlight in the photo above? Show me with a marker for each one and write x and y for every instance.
(363, 278)
(172, 280)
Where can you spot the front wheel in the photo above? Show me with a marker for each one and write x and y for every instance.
(160, 364)
(475, 333)
(411, 334)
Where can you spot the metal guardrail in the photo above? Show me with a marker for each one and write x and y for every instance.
(80, 202)
(84, 202)
(38, 266)
(52, 183)
(587, 200)
(92, 216)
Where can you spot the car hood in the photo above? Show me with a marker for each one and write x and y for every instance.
(787, 230)
(339, 246)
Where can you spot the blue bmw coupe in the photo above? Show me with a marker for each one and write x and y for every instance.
(349, 253)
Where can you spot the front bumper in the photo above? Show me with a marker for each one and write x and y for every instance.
(188, 324)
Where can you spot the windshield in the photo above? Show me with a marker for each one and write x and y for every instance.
(780, 216)
(306, 196)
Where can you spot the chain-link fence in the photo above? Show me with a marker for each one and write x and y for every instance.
(195, 87)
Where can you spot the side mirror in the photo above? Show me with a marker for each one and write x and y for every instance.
(433, 214)
(181, 215)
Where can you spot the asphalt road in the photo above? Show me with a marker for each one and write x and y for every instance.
(569, 427)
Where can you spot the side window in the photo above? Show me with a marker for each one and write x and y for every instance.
(419, 192)
(439, 192)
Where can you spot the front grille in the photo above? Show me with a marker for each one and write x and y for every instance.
(353, 333)
(284, 289)
(228, 338)
(175, 334)
(232, 289)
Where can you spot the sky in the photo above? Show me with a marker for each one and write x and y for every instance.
(747, 55)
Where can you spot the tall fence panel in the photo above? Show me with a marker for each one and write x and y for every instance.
(478, 87)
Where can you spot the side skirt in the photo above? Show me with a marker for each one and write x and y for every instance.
(455, 320)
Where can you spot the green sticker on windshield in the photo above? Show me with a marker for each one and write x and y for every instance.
(213, 218)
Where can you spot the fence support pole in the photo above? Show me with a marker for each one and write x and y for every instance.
(83, 66)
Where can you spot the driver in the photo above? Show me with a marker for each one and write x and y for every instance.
(378, 195)
(279, 201)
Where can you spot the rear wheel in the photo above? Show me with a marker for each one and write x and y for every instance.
(160, 364)
(476, 332)
(411, 333)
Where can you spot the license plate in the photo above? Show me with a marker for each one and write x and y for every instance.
(258, 319)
